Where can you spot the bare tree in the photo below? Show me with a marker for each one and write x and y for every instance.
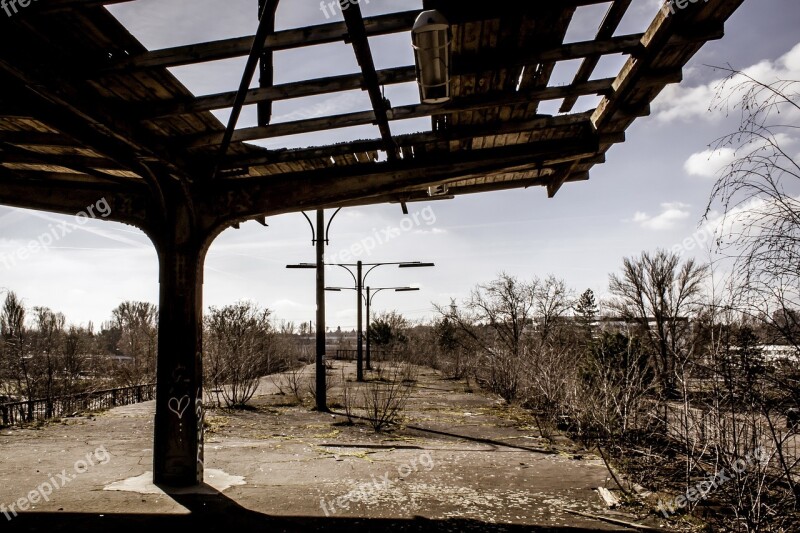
(74, 356)
(659, 294)
(12, 327)
(758, 234)
(495, 320)
(383, 402)
(552, 301)
(550, 355)
(137, 325)
(46, 350)
(760, 227)
(240, 349)
(454, 351)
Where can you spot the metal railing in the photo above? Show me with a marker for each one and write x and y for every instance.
(375, 355)
(16, 413)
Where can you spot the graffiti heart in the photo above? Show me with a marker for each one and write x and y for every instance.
(179, 406)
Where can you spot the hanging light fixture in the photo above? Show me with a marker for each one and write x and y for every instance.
(430, 37)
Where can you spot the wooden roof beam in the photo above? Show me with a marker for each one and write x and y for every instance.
(607, 28)
(544, 153)
(88, 132)
(557, 181)
(568, 157)
(397, 22)
(266, 78)
(470, 103)
(658, 55)
(495, 59)
(360, 42)
(457, 188)
(58, 6)
(265, 27)
(285, 91)
(418, 195)
(624, 44)
(241, 46)
(244, 199)
(94, 125)
(556, 124)
(10, 153)
(54, 176)
(129, 203)
(539, 77)
(28, 137)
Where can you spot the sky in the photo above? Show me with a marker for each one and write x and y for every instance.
(651, 193)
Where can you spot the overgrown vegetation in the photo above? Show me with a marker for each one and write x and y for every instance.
(380, 401)
(686, 370)
(43, 358)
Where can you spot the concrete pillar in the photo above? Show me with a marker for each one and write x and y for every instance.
(178, 439)
(178, 432)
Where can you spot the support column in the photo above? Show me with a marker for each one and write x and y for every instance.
(369, 297)
(321, 389)
(359, 332)
(178, 447)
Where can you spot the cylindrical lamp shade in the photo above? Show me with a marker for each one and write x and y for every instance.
(431, 40)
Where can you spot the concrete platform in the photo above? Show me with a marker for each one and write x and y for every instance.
(463, 462)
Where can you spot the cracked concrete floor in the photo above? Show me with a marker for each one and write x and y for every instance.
(462, 461)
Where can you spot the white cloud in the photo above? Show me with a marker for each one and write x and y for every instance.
(711, 163)
(341, 103)
(671, 214)
(679, 102)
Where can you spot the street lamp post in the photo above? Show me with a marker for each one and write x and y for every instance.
(320, 239)
(321, 400)
(369, 297)
(359, 277)
(359, 332)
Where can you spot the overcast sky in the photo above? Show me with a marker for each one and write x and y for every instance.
(651, 192)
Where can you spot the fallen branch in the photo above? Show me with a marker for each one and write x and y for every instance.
(611, 471)
(615, 521)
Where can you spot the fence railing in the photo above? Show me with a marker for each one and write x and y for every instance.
(351, 355)
(16, 413)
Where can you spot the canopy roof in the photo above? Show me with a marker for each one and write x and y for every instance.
(87, 108)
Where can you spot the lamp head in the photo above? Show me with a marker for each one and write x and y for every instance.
(430, 37)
